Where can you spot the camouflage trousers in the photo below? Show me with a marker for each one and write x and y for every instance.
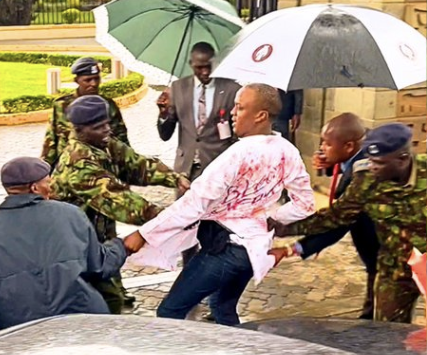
(395, 299)
(111, 291)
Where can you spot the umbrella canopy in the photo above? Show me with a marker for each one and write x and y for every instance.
(320, 46)
(154, 37)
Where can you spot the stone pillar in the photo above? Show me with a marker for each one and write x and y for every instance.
(53, 80)
(126, 71)
(116, 68)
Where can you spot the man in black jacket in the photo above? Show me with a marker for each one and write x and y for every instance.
(341, 144)
(48, 249)
(291, 112)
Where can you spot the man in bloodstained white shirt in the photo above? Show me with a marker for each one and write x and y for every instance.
(226, 210)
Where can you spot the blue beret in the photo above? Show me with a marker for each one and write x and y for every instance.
(23, 171)
(85, 66)
(87, 110)
(387, 139)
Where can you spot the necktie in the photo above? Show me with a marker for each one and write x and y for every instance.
(201, 117)
(335, 174)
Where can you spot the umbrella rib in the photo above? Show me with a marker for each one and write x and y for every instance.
(206, 27)
(188, 44)
(184, 11)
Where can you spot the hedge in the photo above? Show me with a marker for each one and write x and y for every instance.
(110, 89)
(51, 59)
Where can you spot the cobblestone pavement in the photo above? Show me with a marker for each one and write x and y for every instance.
(331, 285)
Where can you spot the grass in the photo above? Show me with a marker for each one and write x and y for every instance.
(17, 79)
(54, 18)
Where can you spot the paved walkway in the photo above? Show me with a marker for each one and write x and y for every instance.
(331, 285)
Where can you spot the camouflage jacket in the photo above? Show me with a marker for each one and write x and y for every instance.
(59, 128)
(98, 182)
(399, 213)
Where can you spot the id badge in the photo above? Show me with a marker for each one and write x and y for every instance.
(224, 130)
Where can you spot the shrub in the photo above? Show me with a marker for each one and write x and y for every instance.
(28, 103)
(111, 89)
(117, 88)
(244, 13)
(73, 4)
(70, 16)
(39, 6)
(59, 60)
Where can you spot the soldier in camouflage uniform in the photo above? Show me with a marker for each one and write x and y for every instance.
(390, 187)
(94, 172)
(88, 78)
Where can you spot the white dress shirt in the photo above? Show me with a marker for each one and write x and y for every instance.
(236, 190)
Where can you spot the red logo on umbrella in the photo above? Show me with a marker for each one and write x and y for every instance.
(262, 53)
(407, 51)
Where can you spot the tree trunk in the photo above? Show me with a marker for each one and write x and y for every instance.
(15, 12)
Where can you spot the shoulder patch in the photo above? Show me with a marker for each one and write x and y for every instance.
(361, 165)
(64, 97)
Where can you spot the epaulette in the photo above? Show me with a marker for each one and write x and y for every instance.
(63, 97)
(361, 165)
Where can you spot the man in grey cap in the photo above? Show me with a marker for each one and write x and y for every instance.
(391, 188)
(94, 172)
(47, 250)
(88, 78)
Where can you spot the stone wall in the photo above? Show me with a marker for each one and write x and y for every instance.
(374, 106)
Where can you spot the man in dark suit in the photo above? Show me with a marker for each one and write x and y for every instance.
(341, 144)
(291, 112)
(202, 107)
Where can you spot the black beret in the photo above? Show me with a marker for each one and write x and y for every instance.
(87, 110)
(85, 66)
(387, 139)
(23, 171)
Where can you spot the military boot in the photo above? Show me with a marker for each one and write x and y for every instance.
(368, 306)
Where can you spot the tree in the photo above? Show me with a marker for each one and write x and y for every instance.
(15, 12)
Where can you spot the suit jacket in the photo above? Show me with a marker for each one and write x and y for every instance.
(362, 231)
(291, 104)
(181, 111)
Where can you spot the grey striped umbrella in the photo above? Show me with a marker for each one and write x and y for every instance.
(320, 46)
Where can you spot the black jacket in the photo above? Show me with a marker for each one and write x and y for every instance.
(47, 248)
(362, 231)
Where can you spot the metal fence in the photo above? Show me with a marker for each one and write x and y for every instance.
(250, 10)
(52, 12)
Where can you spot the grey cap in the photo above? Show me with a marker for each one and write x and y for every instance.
(87, 110)
(387, 139)
(85, 66)
(23, 171)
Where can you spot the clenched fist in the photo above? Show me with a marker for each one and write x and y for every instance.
(133, 242)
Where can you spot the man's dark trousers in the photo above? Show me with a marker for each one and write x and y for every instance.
(223, 269)
(364, 238)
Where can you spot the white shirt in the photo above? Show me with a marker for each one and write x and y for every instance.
(236, 190)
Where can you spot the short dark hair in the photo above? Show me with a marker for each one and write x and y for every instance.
(203, 47)
(268, 99)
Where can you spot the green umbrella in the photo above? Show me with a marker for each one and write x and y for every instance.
(154, 37)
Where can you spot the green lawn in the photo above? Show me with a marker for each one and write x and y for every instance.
(53, 18)
(18, 79)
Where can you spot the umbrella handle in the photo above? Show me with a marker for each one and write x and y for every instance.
(187, 26)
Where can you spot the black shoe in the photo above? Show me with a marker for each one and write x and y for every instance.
(128, 299)
(368, 316)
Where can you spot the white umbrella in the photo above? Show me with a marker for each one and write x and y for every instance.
(320, 46)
